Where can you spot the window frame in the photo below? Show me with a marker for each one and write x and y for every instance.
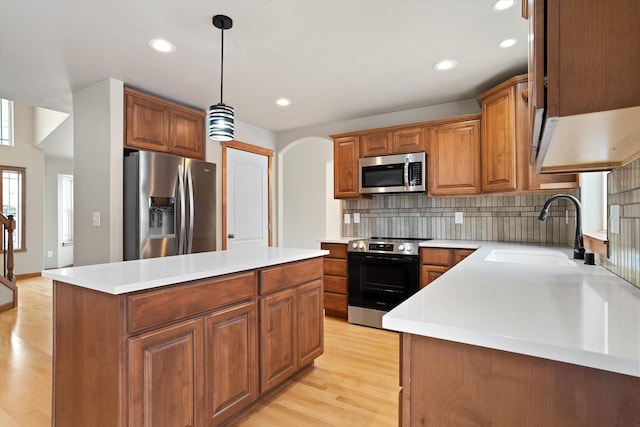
(21, 223)
(9, 137)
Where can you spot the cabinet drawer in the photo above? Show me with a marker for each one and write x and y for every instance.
(435, 256)
(335, 302)
(161, 306)
(335, 284)
(286, 275)
(460, 254)
(335, 267)
(337, 250)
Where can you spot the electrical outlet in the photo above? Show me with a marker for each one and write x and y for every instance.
(356, 218)
(50, 254)
(95, 219)
(459, 218)
(347, 218)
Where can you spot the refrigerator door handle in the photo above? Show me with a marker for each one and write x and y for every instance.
(181, 196)
(189, 241)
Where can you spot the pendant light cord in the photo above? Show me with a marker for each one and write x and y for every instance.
(221, 64)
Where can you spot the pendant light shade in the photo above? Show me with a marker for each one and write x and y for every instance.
(220, 117)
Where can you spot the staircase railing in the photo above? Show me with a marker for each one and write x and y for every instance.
(8, 278)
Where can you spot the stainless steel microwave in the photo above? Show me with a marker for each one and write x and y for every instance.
(397, 173)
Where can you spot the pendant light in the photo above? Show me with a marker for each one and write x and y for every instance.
(220, 117)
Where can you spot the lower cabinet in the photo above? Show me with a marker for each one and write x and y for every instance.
(231, 357)
(335, 279)
(434, 262)
(291, 331)
(166, 376)
(192, 354)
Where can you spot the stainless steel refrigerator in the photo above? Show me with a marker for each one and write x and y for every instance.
(169, 205)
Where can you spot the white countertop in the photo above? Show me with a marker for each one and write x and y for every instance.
(581, 314)
(129, 276)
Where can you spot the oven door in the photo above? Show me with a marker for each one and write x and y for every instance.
(381, 281)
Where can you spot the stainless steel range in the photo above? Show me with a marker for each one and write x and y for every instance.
(382, 272)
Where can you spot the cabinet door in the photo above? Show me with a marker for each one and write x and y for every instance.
(166, 386)
(408, 140)
(499, 141)
(345, 168)
(429, 273)
(231, 354)
(375, 144)
(278, 358)
(186, 137)
(310, 322)
(147, 123)
(460, 254)
(454, 158)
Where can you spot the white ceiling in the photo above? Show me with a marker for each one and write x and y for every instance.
(335, 59)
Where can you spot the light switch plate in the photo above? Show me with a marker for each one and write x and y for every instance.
(356, 218)
(347, 218)
(459, 218)
(614, 219)
(95, 219)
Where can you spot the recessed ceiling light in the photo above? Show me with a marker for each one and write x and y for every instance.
(283, 102)
(503, 4)
(445, 64)
(161, 45)
(507, 43)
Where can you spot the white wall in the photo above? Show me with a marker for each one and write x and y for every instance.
(24, 154)
(98, 113)
(303, 182)
(60, 257)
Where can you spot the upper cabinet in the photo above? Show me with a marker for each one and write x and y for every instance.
(398, 140)
(155, 124)
(584, 83)
(346, 176)
(505, 142)
(454, 158)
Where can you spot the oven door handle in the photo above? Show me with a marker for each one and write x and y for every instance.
(401, 258)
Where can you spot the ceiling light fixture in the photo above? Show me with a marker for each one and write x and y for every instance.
(220, 117)
(445, 64)
(161, 45)
(283, 102)
(507, 43)
(503, 4)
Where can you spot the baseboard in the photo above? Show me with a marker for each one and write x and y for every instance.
(27, 276)
(7, 306)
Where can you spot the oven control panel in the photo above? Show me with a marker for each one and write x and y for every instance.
(385, 247)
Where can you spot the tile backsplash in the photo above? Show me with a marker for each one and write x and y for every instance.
(623, 189)
(492, 217)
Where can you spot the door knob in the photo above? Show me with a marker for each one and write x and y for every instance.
(231, 235)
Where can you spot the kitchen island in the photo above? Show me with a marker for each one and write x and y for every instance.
(520, 335)
(188, 340)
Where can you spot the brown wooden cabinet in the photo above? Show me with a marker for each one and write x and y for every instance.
(434, 262)
(231, 361)
(335, 279)
(375, 143)
(454, 158)
(155, 124)
(169, 358)
(184, 354)
(408, 140)
(291, 320)
(505, 136)
(346, 176)
(584, 83)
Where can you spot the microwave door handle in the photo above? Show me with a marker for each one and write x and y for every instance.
(406, 172)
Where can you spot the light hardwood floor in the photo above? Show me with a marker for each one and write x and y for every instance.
(354, 383)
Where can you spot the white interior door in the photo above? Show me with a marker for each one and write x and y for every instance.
(247, 199)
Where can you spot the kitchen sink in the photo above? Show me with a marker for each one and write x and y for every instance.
(536, 257)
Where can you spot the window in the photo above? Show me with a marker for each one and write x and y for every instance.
(65, 191)
(6, 122)
(13, 192)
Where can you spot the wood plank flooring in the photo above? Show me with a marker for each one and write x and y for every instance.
(354, 383)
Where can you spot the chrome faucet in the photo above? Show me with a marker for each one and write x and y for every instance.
(578, 246)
